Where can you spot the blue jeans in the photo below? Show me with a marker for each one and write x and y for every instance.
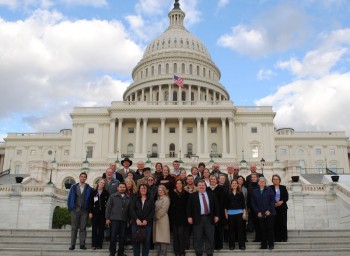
(117, 228)
(146, 244)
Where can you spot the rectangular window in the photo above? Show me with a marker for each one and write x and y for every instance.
(213, 130)
(254, 129)
(33, 152)
(334, 167)
(19, 152)
(189, 130)
(255, 151)
(154, 129)
(172, 130)
(332, 152)
(89, 152)
(130, 130)
(283, 151)
(91, 130)
(318, 151)
(319, 168)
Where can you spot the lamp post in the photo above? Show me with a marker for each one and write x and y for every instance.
(211, 157)
(148, 160)
(262, 161)
(52, 162)
(180, 161)
(117, 161)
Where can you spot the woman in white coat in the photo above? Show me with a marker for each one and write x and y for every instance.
(161, 226)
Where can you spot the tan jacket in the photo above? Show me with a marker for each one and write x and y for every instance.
(161, 226)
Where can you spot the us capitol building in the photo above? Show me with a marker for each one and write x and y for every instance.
(158, 121)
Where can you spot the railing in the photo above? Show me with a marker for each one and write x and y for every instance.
(171, 155)
(5, 172)
(153, 155)
(322, 171)
(127, 155)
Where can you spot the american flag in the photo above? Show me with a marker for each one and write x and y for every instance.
(179, 81)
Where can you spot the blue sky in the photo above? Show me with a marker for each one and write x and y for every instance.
(292, 55)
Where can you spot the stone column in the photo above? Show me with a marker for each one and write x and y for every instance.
(112, 137)
(189, 93)
(180, 135)
(144, 137)
(162, 137)
(207, 93)
(205, 135)
(199, 93)
(170, 93)
(137, 142)
(151, 93)
(199, 151)
(231, 137)
(119, 142)
(179, 96)
(160, 93)
(223, 125)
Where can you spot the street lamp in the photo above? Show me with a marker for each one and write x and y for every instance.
(262, 161)
(52, 162)
(148, 160)
(211, 157)
(117, 161)
(180, 161)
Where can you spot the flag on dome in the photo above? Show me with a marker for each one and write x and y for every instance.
(179, 81)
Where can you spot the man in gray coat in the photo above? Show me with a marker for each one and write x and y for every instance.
(117, 213)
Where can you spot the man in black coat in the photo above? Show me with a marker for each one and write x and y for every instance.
(203, 213)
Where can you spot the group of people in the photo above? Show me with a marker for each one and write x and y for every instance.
(211, 206)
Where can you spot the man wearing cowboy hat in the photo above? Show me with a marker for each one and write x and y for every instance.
(126, 163)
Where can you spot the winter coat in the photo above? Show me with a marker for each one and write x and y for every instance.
(161, 226)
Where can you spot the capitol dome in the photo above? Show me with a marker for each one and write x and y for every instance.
(176, 52)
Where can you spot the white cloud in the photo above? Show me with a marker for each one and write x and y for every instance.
(45, 4)
(265, 74)
(266, 35)
(314, 104)
(223, 3)
(315, 63)
(151, 20)
(246, 41)
(50, 64)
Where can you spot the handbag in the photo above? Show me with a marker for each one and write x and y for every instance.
(140, 235)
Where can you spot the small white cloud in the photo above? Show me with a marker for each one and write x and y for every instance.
(223, 3)
(243, 40)
(265, 74)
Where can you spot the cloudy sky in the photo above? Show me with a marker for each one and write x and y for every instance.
(57, 54)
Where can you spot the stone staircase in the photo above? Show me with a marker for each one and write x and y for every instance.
(56, 243)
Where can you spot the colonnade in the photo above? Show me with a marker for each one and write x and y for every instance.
(141, 129)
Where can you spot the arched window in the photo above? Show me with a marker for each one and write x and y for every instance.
(154, 150)
(183, 96)
(68, 182)
(192, 96)
(166, 96)
(159, 69)
(172, 150)
(167, 68)
(157, 96)
(204, 72)
(146, 72)
(191, 71)
(130, 149)
(175, 68)
(189, 149)
(174, 95)
(197, 70)
(183, 68)
(152, 71)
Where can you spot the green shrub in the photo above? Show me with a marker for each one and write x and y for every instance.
(61, 217)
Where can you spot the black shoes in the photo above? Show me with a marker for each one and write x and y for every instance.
(82, 247)
(72, 247)
(271, 247)
(232, 248)
(263, 247)
(242, 248)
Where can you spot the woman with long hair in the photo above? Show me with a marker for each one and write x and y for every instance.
(158, 170)
(178, 218)
(131, 188)
(97, 208)
(244, 190)
(141, 215)
(235, 212)
(206, 175)
(161, 226)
